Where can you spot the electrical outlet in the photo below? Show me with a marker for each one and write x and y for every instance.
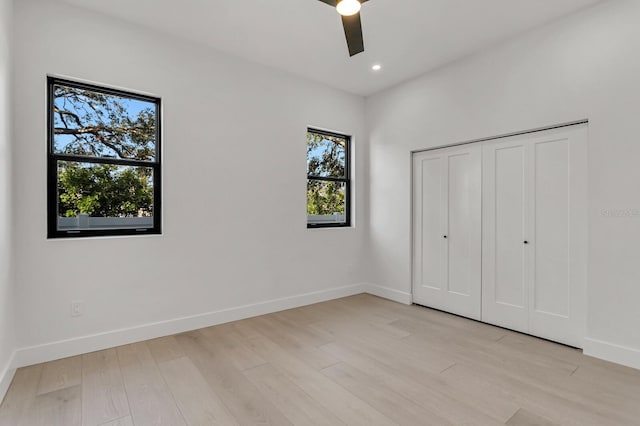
(76, 308)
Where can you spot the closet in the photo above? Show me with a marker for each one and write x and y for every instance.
(500, 232)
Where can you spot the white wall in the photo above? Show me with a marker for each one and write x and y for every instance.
(585, 66)
(234, 154)
(6, 271)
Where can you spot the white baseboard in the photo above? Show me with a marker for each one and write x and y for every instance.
(389, 293)
(612, 352)
(6, 376)
(95, 342)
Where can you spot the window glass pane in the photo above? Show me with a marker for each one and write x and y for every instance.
(95, 124)
(326, 202)
(104, 196)
(326, 155)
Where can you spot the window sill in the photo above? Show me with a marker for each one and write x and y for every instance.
(104, 237)
(329, 228)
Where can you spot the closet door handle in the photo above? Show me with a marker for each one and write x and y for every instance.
(526, 242)
(445, 237)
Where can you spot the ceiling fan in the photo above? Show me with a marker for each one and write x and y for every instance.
(350, 13)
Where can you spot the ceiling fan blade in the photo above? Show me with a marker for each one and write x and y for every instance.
(353, 32)
(333, 3)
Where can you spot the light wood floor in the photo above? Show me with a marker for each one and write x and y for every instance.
(355, 361)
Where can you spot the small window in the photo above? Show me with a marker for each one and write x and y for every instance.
(328, 179)
(103, 161)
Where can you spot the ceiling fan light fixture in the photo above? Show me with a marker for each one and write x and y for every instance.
(348, 7)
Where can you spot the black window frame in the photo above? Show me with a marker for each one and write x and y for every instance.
(53, 158)
(346, 180)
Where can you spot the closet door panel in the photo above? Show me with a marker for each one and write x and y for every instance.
(559, 230)
(429, 225)
(460, 234)
(505, 272)
(431, 261)
(550, 283)
(509, 227)
(464, 231)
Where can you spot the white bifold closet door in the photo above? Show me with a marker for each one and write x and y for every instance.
(534, 233)
(447, 213)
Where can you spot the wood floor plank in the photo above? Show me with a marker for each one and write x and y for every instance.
(294, 402)
(165, 349)
(198, 403)
(625, 382)
(150, 400)
(340, 313)
(60, 407)
(379, 396)
(490, 381)
(465, 346)
(525, 418)
(304, 351)
(452, 323)
(103, 396)
(301, 315)
(237, 351)
(301, 333)
(544, 348)
(534, 376)
(20, 396)
(429, 391)
(344, 405)
(430, 358)
(363, 308)
(60, 374)
(239, 395)
(124, 421)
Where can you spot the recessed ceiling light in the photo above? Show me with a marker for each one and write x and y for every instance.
(376, 67)
(348, 7)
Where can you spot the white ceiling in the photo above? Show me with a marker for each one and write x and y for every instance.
(305, 37)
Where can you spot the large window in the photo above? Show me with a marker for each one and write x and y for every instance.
(104, 161)
(328, 179)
